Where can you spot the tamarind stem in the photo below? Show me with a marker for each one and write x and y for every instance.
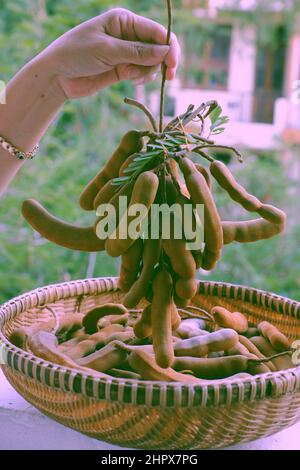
(143, 108)
(164, 69)
(270, 358)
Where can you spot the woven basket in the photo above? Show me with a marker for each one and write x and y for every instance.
(153, 415)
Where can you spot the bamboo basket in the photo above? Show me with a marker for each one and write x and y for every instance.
(145, 414)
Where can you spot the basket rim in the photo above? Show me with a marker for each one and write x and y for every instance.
(141, 392)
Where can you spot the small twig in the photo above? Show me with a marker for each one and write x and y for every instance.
(270, 358)
(232, 149)
(143, 108)
(204, 155)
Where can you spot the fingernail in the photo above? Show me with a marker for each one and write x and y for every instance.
(160, 51)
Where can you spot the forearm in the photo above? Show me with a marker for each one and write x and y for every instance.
(33, 99)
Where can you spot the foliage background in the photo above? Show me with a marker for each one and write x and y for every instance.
(78, 143)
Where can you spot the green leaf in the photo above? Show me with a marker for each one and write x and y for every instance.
(218, 131)
(119, 181)
(215, 114)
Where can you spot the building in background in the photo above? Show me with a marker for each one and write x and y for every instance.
(255, 84)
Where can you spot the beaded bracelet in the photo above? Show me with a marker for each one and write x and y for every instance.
(15, 152)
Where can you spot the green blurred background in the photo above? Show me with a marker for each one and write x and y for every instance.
(81, 139)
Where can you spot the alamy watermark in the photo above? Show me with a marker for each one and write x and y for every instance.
(183, 222)
(2, 92)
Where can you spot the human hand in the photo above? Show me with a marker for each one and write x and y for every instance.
(117, 45)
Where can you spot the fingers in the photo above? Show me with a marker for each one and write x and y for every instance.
(137, 53)
(137, 34)
(139, 74)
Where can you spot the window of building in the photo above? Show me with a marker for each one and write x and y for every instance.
(206, 57)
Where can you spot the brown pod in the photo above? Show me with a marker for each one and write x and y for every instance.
(186, 288)
(91, 319)
(152, 250)
(252, 331)
(206, 175)
(200, 194)
(191, 327)
(144, 193)
(105, 194)
(130, 265)
(277, 339)
(235, 320)
(254, 350)
(176, 318)
(130, 143)
(249, 231)
(226, 180)
(281, 363)
(161, 318)
(198, 257)
(181, 303)
(212, 368)
(113, 320)
(144, 364)
(106, 358)
(114, 202)
(143, 326)
(181, 258)
(272, 214)
(45, 346)
(68, 324)
(200, 346)
(57, 231)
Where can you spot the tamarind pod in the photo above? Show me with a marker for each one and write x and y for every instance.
(234, 320)
(281, 363)
(220, 340)
(144, 364)
(102, 337)
(198, 255)
(161, 318)
(186, 288)
(92, 317)
(126, 163)
(240, 349)
(210, 259)
(181, 259)
(130, 265)
(143, 326)
(67, 323)
(252, 331)
(226, 180)
(204, 173)
(45, 345)
(256, 368)
(106, 358)
(277, 339)
(212, 368)
(121, 336)
(130, 143)
(105, 194)
(249, 231)
(63, 347)
(215, 354)
(125, 191)
(171, 191)
(191, 327)
(200, 194)
(151, 254)
(112, 320)
(181, 303)
(272, 214)
(124, 374)
(83, 348)
(175, 317)
(144, 192)
(254, 350)
(57, 231)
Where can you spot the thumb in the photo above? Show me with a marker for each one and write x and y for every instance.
(137, 53)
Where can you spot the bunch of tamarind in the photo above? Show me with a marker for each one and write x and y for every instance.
(109, 341)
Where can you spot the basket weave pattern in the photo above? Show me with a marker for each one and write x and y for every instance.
(147, 414)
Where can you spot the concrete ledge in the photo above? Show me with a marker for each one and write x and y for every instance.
(22, 427)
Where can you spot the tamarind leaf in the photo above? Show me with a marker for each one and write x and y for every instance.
(215, 114)
(218, 131)
(119, 181)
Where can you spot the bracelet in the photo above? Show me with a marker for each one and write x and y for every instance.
(15, 152)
